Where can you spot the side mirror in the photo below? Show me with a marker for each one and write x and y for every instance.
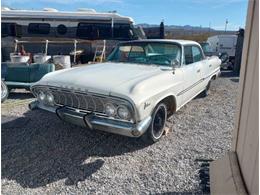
(175, 63)
(223, 57)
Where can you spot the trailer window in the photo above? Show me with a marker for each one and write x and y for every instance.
(122, 31)
(94, 31)
(10, 29)
(39, 28)
(104, 31)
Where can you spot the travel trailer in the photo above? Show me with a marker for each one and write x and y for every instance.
(31, 26)
(224, 44)
(81, 24)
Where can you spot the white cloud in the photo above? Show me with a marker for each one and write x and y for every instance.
(82, 1)
(215, 3)
(64, 2)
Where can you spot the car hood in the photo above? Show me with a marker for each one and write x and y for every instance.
(103, 78)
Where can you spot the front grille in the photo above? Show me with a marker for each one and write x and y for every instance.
(82, 101)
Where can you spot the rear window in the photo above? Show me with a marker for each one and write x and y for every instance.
(39, 28)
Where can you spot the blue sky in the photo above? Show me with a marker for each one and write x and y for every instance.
(174, 12)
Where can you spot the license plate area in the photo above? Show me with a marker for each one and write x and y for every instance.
(76, 118)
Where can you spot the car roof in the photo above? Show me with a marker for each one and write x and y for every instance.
(177, 41)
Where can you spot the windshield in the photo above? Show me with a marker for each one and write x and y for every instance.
(164, 54)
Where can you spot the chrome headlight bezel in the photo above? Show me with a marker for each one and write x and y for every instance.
(41, 96)
(49, 98)
(125, 109)
(44, 96)
(111, 107)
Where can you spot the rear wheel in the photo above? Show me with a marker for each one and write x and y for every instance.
(156, 129)
(4, 91)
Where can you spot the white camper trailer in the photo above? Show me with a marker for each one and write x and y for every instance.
(63, 27)
(82, 24)
(224, 44)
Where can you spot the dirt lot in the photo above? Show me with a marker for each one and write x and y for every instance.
(43, 155)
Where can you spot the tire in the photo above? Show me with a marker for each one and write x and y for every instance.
(205, 93)
(157, 126)
(230, 67)
(224, 57)
(4, 91)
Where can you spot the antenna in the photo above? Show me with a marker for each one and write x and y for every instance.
(226, 25)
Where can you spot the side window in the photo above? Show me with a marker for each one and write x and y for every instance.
(196, 53)
(39, 28)
(94, 30)
(11, 29)
(122, 31)
(188, 57)
(136, 52)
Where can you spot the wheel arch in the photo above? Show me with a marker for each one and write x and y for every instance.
(214, 77)
(170, 102)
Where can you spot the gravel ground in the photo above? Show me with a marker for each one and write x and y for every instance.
(43, 155)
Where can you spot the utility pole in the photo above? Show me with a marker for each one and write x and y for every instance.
(226, 25)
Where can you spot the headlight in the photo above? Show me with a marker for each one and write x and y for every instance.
(46, 97)
(123, 112)
(110, 109)
(41, 96)
(50, 98)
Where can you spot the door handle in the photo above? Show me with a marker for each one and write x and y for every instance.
(198, 70)
(210, 65)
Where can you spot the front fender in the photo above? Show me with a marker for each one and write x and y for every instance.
(147, 107)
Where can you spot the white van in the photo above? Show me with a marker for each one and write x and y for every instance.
(224, 44)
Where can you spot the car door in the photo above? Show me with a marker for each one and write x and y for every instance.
(201, 68)
(192, 70)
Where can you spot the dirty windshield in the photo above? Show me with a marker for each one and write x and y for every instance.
(163, 54)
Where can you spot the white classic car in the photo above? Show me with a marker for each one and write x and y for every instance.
(142, 83)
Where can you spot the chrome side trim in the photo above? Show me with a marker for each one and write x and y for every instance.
(198, 82)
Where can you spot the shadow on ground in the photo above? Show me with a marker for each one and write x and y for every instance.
(20, 95)
(39, 149)
(228, 73)
(235, 80)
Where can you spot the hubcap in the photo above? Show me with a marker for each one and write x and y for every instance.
(158, 122)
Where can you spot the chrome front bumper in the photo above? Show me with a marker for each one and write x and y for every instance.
(93, 121)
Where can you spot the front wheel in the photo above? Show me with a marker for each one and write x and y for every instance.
(156, 129)
(4, 91)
